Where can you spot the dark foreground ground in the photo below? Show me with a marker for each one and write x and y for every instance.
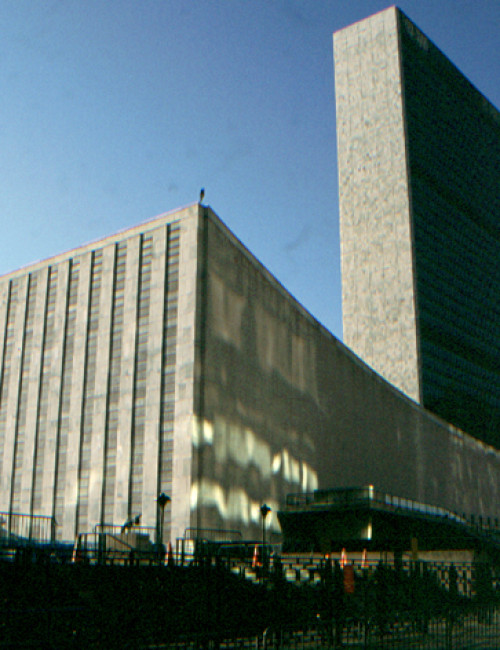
(66, 605)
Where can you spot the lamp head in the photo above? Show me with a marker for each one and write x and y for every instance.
(264, 510)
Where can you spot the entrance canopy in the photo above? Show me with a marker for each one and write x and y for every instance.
(362, 517)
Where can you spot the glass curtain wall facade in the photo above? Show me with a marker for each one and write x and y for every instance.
(454, 167)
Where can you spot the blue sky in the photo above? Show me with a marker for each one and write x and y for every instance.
(112, 112)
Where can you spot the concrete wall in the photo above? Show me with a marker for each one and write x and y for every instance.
(285, 407)
(97, 379)
(220, 390)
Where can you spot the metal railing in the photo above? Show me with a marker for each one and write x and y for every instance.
(213, 534)
(368, 496)
(349, 497)
(114, 529)
(19, 528)
(129, 547)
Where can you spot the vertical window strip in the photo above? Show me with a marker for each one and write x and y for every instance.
(113, 395)
(89, 392)
(22, 405)
(140, 376)
(6, 359)
(66, 382)
(165, 458)
(44, 394)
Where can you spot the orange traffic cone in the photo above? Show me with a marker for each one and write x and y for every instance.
(343, 558)
(256, 560)
(169, 557)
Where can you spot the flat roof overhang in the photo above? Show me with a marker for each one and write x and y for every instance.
(358, 518)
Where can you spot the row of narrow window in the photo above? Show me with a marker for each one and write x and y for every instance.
(52, 338)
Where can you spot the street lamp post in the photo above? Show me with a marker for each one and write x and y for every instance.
(162, 501)
(264, 511)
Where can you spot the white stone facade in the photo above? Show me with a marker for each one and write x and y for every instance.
(378, 301)
(168, 359)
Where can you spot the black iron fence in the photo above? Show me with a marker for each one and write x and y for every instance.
(478, 629)
(237, 595)
(458, 630)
